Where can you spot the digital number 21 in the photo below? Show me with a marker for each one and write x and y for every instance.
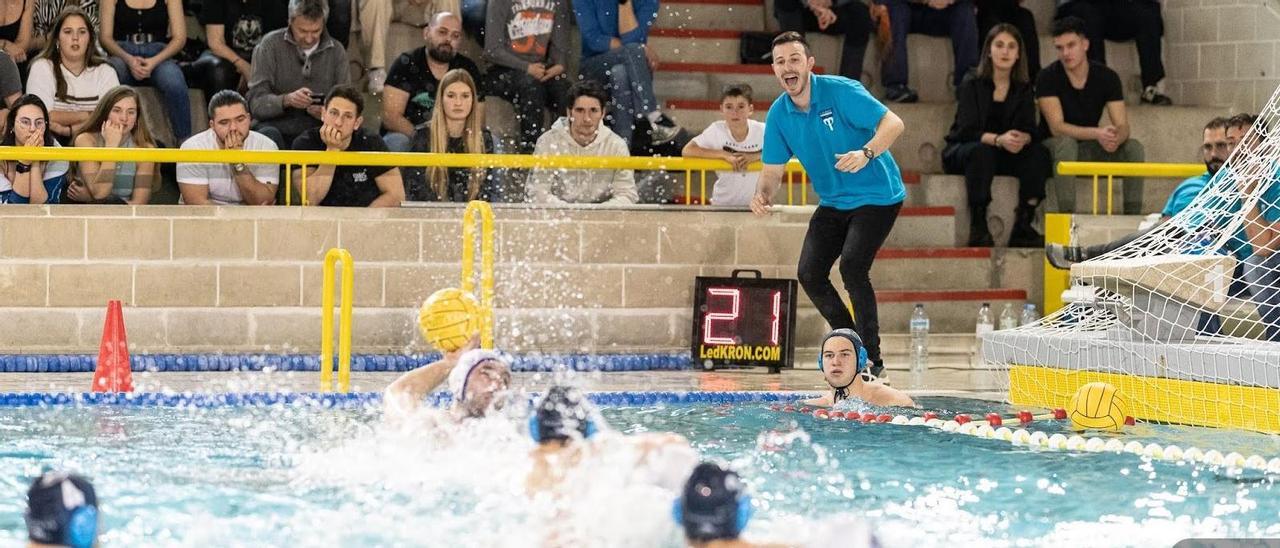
(735, 310)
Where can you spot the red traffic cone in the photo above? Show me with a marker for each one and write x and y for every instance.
(113, 373)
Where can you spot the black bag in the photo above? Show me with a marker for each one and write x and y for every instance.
(755, 48)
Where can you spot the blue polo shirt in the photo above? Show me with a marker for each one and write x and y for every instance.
(1186, 192)
(842, 117)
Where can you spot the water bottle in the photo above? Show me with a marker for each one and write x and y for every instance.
(1008, 318)
(919, 345)
(1029, 314)
(986, 323)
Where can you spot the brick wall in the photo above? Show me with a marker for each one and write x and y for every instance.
(1222, 52)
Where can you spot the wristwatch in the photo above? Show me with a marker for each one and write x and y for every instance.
(238, 168)
(22, 168)
(870, 155)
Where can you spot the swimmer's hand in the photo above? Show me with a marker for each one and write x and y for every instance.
(761, 204)
(852, 161)
(451, 357)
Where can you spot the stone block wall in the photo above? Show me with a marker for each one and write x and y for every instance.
(1222, 52)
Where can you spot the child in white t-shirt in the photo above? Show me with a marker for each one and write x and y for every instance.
(738, 140)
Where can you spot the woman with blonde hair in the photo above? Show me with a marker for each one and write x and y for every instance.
(118, 122)
(456, 127)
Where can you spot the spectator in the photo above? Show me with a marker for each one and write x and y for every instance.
(232, 28)
(234, 183)
(15, 36)
(142, 56)
(455, 128)
(62, 510)
(736, 139)
(582, 133)
(46, 15)
(70, 75)
(994, 12)
(527, 49)
(10, 86)
(848, 18)
(347, 186)
(992, 134)
(614, 53)
(1072, 93)
(293, 69)
(410, 95)
(1121, 21)
(376, 17)
(1262, 227)
(954, 18)
(118, 122)
(27, 125)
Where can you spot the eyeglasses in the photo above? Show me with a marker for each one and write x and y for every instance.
(1215, 146)
(31, 123)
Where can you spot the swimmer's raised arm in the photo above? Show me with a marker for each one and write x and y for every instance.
(405, 395)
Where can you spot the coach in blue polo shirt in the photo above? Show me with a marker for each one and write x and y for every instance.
(841, 134)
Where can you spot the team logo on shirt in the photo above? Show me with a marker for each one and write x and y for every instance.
(828, 118)
(359, 177)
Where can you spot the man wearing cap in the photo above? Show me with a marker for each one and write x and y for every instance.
(844, 364)
(62, 510)
(475, 378)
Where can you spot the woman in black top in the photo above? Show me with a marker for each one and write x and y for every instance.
(992, 134)
(15, 36)
(142, 37)
(456, 127)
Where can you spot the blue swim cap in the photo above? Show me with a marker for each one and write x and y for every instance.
(62, 509)
(853, 338)
(714, 505)
(562, 413)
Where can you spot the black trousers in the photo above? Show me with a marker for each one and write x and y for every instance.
(854, 236)
(1121, 21)
(529, 97)
(853, 20)
(980, 164)
(994, 12)
(212, 74)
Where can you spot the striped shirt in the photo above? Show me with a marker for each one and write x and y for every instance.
(47, 12)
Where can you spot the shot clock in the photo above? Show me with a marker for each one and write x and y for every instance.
(744, 321)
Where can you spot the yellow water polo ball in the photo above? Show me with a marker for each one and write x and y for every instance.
(449, 318)
(1098, 406)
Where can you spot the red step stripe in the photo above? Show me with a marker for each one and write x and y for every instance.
(934, 296)
(718, 2)
(700, 104)
(936, 253)
(722, 68)
(935, 211)
(696, 33)
(910, 177)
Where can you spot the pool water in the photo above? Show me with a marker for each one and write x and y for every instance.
(306, 476)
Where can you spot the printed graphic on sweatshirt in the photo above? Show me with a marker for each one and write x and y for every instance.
(530, 19)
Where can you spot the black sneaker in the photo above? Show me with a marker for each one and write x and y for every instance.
(1152, 96)
(664, 130)
(1062, 257)
(900, 94)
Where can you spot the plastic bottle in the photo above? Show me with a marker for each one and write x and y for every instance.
(1008, 318)
(919, 345)
(986, 322)
(1029, 314)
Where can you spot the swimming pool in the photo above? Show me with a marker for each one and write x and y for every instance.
(308, 475)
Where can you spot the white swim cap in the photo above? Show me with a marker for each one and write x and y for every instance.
(468, 362)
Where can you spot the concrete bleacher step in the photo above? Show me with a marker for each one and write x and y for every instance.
(704, 45)
(740, 15)
(704, 81)
(950, 311)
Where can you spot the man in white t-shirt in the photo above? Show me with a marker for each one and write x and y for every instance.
(235, 183)
(738, 140)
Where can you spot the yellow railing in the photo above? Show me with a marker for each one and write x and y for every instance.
(291, 158)
(1111, 170)
(332, 259)
(481, 209)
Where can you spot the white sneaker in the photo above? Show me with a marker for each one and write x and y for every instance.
(377, 80)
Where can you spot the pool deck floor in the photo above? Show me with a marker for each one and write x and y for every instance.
(948, 376)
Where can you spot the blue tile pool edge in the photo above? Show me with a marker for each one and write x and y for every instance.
(356, 399)
(167, 363)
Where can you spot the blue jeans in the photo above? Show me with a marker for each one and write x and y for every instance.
(167, 78)
(625, 72)
(957, 21)
(1263, 274)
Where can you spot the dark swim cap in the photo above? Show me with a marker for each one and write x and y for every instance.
(853, 337)
(62, 509)
(714, 505)
(562, 413)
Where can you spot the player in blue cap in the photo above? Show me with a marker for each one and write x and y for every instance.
(844, 364)
(62, 510)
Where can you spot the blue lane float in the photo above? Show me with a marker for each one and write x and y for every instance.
(166, 363)
(358, 399)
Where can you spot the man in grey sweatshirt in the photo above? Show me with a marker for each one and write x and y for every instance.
(582, 133)
(526, 42)
(293, 69)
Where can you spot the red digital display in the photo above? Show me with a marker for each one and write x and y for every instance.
(743, 321)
